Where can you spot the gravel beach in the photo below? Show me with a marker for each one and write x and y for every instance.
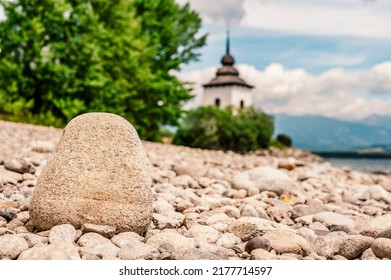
(266, 205)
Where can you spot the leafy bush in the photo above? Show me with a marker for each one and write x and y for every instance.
(284, 140)
(239, 130)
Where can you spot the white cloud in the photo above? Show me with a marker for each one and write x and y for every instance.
(362, 18)
(227, 12)
(381, 78)
(334, 93)
(343, 17)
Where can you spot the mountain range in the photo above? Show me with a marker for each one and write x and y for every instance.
(319, 133)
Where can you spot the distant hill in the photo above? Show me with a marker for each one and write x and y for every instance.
(377, 120)
(317, 133)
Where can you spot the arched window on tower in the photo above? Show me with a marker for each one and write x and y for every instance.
(241, 104)
(217, 102)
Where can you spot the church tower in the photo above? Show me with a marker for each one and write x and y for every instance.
(227, 89)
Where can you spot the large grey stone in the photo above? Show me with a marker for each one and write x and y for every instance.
(98, 174)
(264, 178)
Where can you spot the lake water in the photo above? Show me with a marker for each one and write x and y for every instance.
(362, 164)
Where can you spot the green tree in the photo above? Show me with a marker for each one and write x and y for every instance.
(284, 140)
(228, 129)
(62, 58)
(173, 31)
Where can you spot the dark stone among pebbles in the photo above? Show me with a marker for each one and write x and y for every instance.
(258, 242)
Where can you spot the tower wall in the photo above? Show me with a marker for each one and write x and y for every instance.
(228, 96)
(222, 93)
(239, 95)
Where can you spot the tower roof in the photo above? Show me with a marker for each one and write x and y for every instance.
(227, 75)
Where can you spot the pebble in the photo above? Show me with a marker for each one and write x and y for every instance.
(247, 228)
(287, 242)
(175, 239)
(57, 251)
(384, 234)
(161, 205)
(105, 231)
(258, 242)
(329, 244)
(330, 219)
(264, 178)
(353, 246)
(261, 254)
(138, 251)
(228, 240)
(11, 246)
(124, 238)
(92, 239)
(64, 232)
(168, 220)
(35, 240)
(107, 251)
(208, 233)
(248, 210)
(381, 247)
(19, 165)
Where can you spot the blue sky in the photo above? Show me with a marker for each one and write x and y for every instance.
(318, 57)
(327, 57)
(313, 53)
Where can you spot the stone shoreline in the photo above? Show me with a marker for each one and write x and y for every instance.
(207, 205)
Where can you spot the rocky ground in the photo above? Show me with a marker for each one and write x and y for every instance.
(207, 205)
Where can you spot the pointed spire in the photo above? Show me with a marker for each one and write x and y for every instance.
(227, 46)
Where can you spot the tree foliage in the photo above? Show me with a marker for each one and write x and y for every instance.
(240, 130)
(284, 140)
(61, 58)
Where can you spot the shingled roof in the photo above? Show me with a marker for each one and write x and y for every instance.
(227, 75)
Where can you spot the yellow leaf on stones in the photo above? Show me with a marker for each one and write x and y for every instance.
(288, 200)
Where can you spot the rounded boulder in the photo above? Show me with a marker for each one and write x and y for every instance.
(98, 174)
